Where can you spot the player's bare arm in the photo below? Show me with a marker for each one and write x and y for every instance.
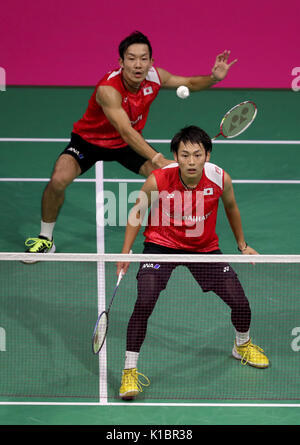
(234, 217)
(111, 102)
(197, 83)
(136, 216)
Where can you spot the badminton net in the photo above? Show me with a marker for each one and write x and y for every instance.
(48, 312)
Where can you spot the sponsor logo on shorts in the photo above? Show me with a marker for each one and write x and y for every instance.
(151, 266)
(77, 152)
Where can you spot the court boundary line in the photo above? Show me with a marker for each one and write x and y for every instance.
(171, 404)
(100, 240)
(100, 245)
(167, 141)
(119, 180)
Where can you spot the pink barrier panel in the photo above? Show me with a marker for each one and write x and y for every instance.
(64, 42)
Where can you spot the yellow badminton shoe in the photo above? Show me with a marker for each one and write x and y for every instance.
(250, 354)
(131, 385)
(39, 245)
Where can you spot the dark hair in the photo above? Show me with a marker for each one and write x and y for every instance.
(135, 37)
(192, 134)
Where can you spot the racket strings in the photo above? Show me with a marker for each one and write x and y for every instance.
(100, 332)
(238, 119)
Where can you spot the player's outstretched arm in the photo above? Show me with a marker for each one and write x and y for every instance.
(110, 100)
(197, 83)
(234, 217)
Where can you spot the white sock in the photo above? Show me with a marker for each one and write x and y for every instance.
(131, 359)
(241, 337)
(47, 229)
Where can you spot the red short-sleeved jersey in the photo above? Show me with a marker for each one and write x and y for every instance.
(94, 127)
(186, 219)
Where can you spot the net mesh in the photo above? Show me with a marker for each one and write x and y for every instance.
(49, 309)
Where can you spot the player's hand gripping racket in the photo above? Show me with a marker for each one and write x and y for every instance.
(237, 120)
(101, 326)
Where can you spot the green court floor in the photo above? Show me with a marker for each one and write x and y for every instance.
(59, 367)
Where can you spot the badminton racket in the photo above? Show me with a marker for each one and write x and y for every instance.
(101, 325)
(237, 120)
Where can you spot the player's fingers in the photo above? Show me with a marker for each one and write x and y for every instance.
(250, 252)
(119, 268)
(126, 267)
(226, 55)
(219, 57)
(232, 63)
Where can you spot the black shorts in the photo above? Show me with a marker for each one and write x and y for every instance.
(210, 276)
(87, 154)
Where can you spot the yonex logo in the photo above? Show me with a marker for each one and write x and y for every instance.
(151, 266)
(77, 152)
(238, 119)
(139, 118)
(226, 269)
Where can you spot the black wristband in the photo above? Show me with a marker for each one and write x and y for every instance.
(242, 250)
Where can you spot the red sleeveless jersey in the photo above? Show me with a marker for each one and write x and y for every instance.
(95, 128)
(186, 219)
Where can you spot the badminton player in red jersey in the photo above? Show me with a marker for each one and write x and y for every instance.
(182, 220)
(111, 128)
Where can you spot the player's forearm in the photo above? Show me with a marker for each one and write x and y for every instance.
(130, 236)
(198, 83)
(135, 220)
(138, 143)
(234, 219)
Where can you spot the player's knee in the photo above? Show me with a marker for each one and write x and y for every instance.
(65, 171)
(58, 183)
(240, 302)
(244, 306)
(151, 283)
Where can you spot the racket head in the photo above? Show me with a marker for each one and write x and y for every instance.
(100, 332)
(238, 119)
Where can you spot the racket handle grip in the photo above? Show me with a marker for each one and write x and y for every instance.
(121, 274)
